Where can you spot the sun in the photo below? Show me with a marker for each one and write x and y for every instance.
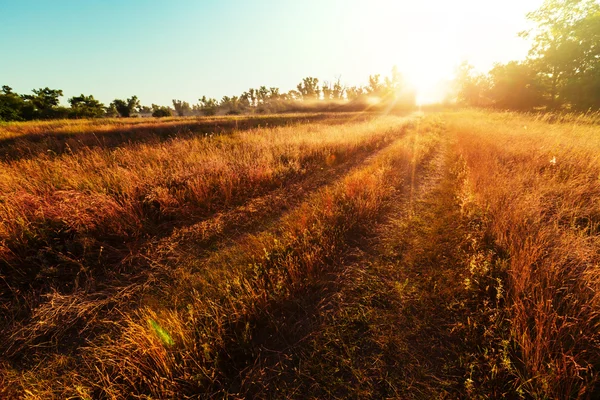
(430, 84)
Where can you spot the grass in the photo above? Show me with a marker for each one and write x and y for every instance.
(537, 184)
(448, 255)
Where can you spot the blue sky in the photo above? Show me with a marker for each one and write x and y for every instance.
(160, 50)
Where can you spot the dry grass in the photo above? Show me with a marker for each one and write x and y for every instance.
(75, 207)
(319, 258)
(63, 218)
(538, 185)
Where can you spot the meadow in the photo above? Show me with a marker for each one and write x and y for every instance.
(445, 254)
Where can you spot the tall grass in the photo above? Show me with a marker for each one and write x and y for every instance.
(538, 184)
(61, 213)
(91, 200)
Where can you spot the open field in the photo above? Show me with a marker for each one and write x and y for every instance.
(439, 255)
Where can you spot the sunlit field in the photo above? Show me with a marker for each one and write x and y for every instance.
(448, 254)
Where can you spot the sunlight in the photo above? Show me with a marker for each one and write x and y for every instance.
(430, 85)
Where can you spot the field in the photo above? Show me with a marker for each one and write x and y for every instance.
(446, 254)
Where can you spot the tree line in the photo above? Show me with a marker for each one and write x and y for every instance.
(561, 71)
(44, 103)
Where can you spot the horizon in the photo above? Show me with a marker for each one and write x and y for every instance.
(221, 49)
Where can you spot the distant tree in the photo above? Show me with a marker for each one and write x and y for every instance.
(309, 88)
(263, 95)
(274, 93)
(327, 91)
(293, 95)
(208, 106)
(514, 86)
(393, 84)
(126, 108)
(252, 95)
(144, 110)
(355, 92)
(160, 111)
(471, 87)
(11, 105)
(181, 107)
(375, 87)
(338, 90)
(44, 104)
(86, 107)
(111, 111)
(231, 105)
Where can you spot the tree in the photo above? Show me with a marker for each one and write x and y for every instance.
(566, 45)
(160, 111)
(327, 91)
(251, 95)
(86, 107)
(126, 108)
(338, 90)
(375, 86)
(471, 87)
(181, 107)
(393, 84)
(144, 110)
(44, 103)
(309, 88)
(208, 106)
(355, 92)
(514, 86)
(293, 95)
(231, 104)
(11, 105)
(263, 95)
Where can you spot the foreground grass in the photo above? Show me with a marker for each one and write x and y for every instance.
(235, 167)
(537, 186)
(79, 209)
(450, 256)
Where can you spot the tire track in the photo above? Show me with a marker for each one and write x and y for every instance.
(392, 330)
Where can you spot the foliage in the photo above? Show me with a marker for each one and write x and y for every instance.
(126, 108)
(181, 107)
(11, 105)
(562, 70)
(309, 88)
(85, 107)
(160, 111)
(208, 106)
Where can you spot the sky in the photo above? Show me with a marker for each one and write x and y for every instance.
(184, 49)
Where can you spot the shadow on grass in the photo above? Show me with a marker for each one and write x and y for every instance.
(30, 145)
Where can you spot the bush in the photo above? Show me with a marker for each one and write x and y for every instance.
(161, 112)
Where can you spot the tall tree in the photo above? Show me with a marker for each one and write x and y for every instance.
(566, 44)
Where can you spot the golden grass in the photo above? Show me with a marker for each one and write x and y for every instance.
(539, 185)
(62, 213)
(155, 269)
(128, 192)
(10, 130)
